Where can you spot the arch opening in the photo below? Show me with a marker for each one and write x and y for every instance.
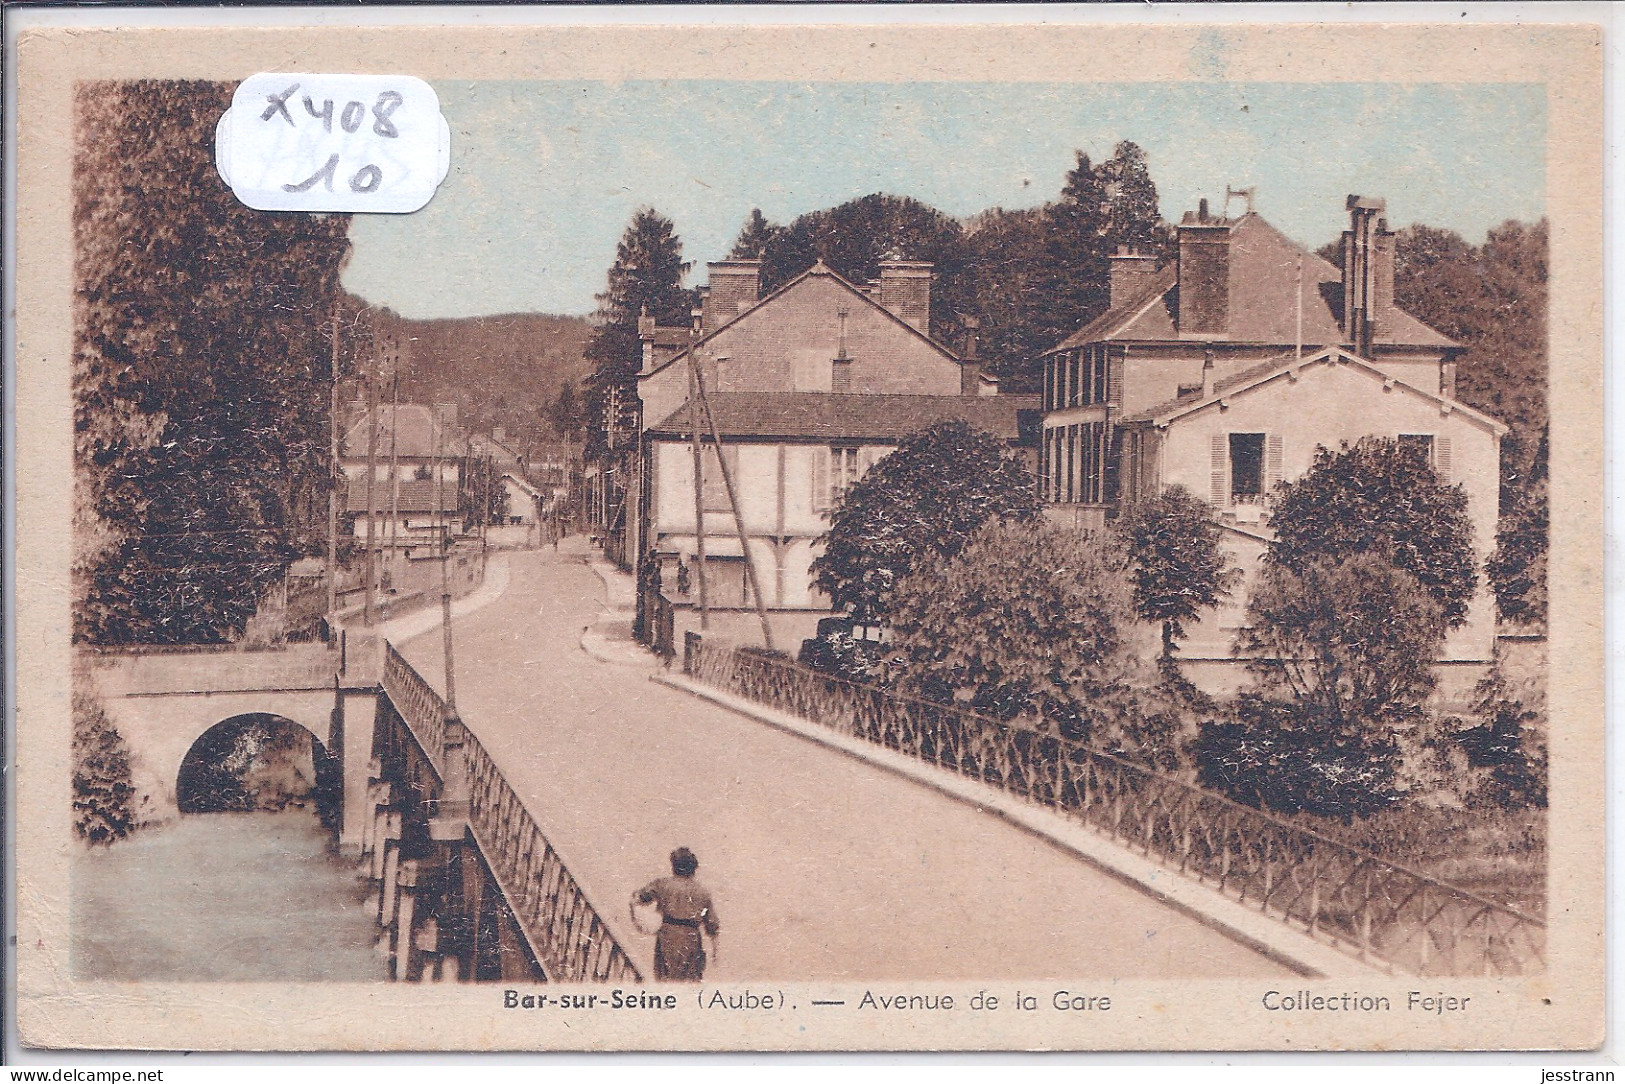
(260, 762)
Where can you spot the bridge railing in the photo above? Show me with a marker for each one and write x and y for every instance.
(1358, 902)
(565, 931)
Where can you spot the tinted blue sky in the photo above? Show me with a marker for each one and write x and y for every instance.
(545, 175)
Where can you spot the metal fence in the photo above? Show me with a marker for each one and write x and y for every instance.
(1371, 908)
(567, 934)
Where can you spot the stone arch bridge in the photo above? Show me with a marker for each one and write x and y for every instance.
(164, 700)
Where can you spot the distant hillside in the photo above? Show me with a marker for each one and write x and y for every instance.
(499, 370)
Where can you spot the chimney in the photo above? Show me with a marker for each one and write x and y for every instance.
(646, 335)
(905, 292)
(1130, 272)
(1204, 274)
(734, 286)
(1368, 273)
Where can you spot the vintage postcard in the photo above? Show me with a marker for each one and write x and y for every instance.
(754, 530)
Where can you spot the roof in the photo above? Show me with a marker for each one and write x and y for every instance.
(415, 496)
(509, 476)
(1262, 296)
(419, 431)
(826, 416)
(818, 268)
(1265, 372)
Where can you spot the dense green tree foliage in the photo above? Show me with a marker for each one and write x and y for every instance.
(754, 237)
(1179, 568)
(919, 504)
(105, 806)
(646, 277)
(1027, 621)
(1381, 499)
(202, 366)
(855, 237)
(1343, 649)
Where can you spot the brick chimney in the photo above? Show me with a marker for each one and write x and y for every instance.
(734, 286)
(1130, 272)
(1204, 274)
(1368, 273)
(970, 367)
(905, 292)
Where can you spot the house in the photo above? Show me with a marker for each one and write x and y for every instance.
(1225, 370)
(413, 450)
(807, 388)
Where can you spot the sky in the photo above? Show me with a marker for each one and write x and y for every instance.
(545, 176)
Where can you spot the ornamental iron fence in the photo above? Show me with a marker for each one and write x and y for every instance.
(567, 934)
(1362, 904)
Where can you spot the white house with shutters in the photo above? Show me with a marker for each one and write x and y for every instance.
(1227, 369)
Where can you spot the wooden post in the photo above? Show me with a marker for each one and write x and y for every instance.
(733, 503)
(699, 484)
(337, 476)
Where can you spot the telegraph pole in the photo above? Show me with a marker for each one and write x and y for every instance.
(733, 503)
(394, 468)
(699, 480)
(445, 557)
(371, 570)
(336, 475)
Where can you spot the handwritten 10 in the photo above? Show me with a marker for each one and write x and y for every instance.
(351, 118)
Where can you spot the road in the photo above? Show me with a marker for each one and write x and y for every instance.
(822, 867)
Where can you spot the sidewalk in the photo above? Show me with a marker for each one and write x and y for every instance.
(609, 638)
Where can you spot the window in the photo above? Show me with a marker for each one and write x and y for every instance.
(1246, 468)
(843, 471)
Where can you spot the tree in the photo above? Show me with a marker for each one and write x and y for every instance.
(754, 237)
(1027, 621)
(1003, 249)
(1517, 568)
(202, 367)
(922, 502)
(1343, 649)
(105, 807)
(565, 412)
(856, 236)
(1179, 568)
(646, 278)
(1380, 498)
(481, 496)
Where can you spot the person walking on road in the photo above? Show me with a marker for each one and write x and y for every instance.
(685, 910)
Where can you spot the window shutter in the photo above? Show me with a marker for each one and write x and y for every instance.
(820, 480)
(1441, 458)
(1219, 491)
(1114, 381)
(1272, 463)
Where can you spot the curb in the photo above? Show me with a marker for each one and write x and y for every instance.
(1265, 935)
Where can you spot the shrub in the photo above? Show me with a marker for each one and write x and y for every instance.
(1382, 499)
(1029, 621)
(1289, 758)
(105, 808)
(918, 505)
(1179, 567)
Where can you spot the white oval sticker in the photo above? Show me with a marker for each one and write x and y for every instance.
(295, 142)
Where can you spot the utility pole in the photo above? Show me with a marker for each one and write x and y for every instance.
(336, 474)
(445, 575)
(733, 503)
(371, 571)
(394, 468)
(699, 479)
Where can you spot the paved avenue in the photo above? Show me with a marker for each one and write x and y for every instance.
(823, 867)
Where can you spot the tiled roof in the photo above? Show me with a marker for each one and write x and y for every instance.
(415, 496)
(831, 416)
(820, 268)
(416, 439)
(1263, 300)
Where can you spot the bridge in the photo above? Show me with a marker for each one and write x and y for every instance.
(846, 836)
